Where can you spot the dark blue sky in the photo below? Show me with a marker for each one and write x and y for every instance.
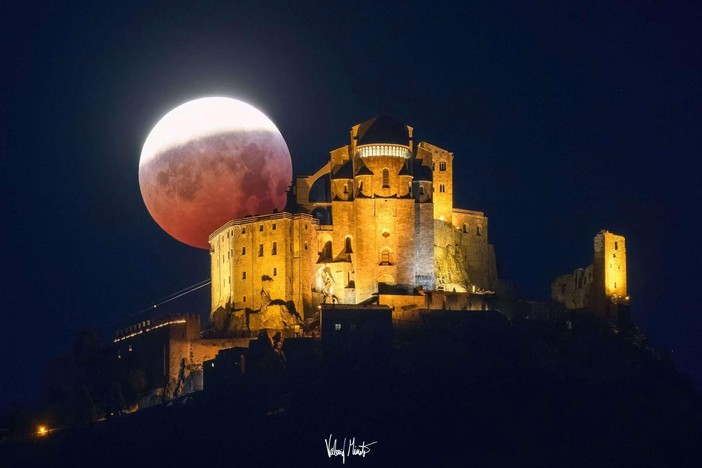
(564, 119)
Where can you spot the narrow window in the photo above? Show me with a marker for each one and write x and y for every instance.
(442, 166)
(465, 228)
(275, 272)
(275, 249)
(616, 246)
(243, 251)
(260, 228)
(273, 228)
(385, 257)
(244, 298)
(305, 245)
(386, 178)
(243, 230)
(243, 275)
(421, 190)
(347, 246)
(615, 285)
(260, 250)
(442, 188)
(337, 327)
(478, 231)
(346, 189)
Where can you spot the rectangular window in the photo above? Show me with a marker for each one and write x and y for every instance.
(275, 249)
(273, 226)
(616, 246)
(244, 298)
(260, 250)
(337, 327)
(243, 251)
(305, 245)
(275, 272)
(243, 275)
(243, 230)
(260, 228)
(478, 231)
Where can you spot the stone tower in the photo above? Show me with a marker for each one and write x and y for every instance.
(384, 211)
(609, 272)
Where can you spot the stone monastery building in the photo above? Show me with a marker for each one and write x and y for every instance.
(377, 220)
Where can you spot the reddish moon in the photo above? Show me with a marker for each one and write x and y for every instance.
(209, 161)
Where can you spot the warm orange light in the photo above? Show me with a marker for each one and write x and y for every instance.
(42, 431)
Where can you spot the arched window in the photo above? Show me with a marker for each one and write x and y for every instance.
(346, 189)
(385, 257)
(327, 250)
(386, 178)
(442, 166)
(347, 245)
(465, 228)
(421, 190)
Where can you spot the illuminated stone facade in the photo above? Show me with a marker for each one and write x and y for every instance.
(379, 212)
(600, 286)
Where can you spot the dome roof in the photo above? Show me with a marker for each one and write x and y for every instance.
(382, 129)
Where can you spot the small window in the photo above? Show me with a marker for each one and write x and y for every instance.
(130, 348)
(337, 327)
(385, 258)
(260, 228)
(273, 227)
(275, 249)
(243, 230)
(442, 166)
(347, 245)
(346, 189)
(465, 228)
(614, 255)
(243, 275)
(260, 250)
(275, 272)
(478, 231)
(244, 299)
(615, 285)
(305, 245)
(386, 178)
(421, 190)
(616, 246)
(442, 188)
(243, 251)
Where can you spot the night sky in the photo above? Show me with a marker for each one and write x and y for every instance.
(564, 119)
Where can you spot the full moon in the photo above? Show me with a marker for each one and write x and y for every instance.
(209, 161)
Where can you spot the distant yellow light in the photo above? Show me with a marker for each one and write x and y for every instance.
(42, 430)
